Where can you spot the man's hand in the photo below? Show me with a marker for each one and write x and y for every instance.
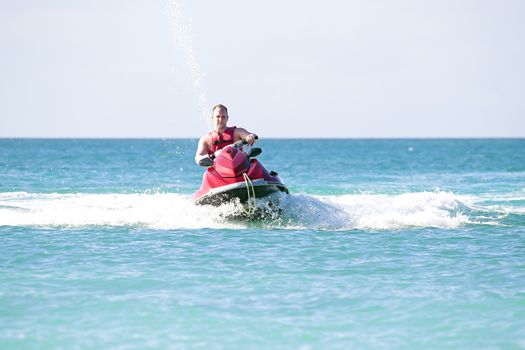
(205, 160)
(250, 139)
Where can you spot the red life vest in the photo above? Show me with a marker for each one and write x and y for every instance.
(218, 142)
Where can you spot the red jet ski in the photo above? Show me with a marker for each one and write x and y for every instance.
(235, 174)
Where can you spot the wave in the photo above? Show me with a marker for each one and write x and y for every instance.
(300, 211)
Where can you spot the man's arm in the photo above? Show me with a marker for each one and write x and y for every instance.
(243, 134)
(202, 149)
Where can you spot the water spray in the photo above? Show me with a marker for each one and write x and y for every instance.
(183, 40)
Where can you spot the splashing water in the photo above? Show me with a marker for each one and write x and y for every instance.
(182, 37)
(303, 212)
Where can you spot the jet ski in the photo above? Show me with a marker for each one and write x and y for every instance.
(233, 173)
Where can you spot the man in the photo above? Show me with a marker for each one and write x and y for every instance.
(221, 136)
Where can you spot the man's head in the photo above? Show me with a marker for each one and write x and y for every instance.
(220, 117)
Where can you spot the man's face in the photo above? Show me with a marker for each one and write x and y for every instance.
(220, 117)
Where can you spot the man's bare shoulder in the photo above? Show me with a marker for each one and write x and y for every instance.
(240, 133)
(203, 139)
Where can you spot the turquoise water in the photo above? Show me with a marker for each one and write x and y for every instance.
(383, 244)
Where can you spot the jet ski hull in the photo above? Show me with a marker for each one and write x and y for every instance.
(240, 190)
(234, 175)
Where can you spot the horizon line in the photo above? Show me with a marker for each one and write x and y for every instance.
(267, 138)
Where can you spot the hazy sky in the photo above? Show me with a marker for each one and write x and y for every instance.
(367, 68)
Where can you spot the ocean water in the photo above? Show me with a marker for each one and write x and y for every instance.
(382, 244)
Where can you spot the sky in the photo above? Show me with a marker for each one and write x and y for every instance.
(344, 69)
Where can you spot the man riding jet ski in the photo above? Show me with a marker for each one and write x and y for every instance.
(231, 172)
(222, 135)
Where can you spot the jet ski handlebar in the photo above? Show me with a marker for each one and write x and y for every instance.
(241, 143)
(207, 161)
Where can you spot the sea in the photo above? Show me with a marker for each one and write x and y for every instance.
(381, 244)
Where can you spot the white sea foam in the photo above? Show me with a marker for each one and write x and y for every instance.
(176, 211)
(161, 210)
(422, 209)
